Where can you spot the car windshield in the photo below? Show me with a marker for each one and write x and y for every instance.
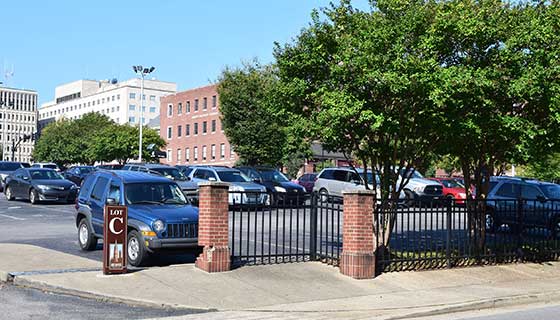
(172, 173)
(551, 191)
(45, 175)
(86, 169)
(154, 193)
(232, 176)
(9, 166)
(273, 176)
(50, 166)
(413, 174)
(451, 184)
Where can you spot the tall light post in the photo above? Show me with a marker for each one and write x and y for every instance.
(142, 72)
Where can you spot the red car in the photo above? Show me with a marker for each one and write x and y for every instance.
(307, 181)
(452, 189)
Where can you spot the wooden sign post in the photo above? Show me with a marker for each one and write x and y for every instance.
(115, 240)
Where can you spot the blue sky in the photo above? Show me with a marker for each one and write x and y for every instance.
(189, 42)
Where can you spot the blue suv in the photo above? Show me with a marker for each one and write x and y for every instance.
(159, 216)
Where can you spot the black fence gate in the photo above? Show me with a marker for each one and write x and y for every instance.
(282, 228)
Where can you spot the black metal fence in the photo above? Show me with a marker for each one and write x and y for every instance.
(453, 233)
(272, 228)
(280, 228)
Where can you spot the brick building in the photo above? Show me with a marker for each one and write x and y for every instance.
(190, 124)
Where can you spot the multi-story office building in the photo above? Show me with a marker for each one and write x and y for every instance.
(18, 123)
(120, 101)
(190, 124)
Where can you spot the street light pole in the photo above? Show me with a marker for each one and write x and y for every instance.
(142, 72)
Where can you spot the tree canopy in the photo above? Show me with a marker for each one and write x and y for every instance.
(94, 137)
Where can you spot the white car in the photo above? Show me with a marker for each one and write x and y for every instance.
(419, 189)
(48, 165)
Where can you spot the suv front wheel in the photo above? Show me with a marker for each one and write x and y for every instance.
(87, 240)
(137, 254)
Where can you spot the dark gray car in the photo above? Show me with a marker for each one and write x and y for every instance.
(6, 169)
(40, 185)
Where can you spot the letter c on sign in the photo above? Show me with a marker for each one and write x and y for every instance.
(112, 225)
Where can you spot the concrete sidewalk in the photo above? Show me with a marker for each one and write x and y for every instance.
(300, 290)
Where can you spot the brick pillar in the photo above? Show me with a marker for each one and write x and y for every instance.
(357, 259)
(213, 227)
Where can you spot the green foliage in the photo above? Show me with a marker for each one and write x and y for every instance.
(359, 81)
(252, 119)
(547, 169)
(94, 137)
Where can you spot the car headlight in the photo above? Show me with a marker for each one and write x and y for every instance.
(418, 189)
(43, 187)
(279, 189)
(158, 226)
(73, 187)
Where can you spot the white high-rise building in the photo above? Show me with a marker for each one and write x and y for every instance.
(18, 123)
(120, 101)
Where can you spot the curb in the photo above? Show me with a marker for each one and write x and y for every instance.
(494, 303)
(22, 282)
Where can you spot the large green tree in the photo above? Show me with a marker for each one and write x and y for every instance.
(259, 130)
(120, 142)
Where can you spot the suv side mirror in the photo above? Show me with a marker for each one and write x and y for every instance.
(111, 201)
(356, 181)
(26, 178)
(257, 180)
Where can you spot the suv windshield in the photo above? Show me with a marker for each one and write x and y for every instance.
(232, 176)
(154, 193)
(412, 174)
(7, 166)
(173, 173)
(44, 175)
(274, 176)
(551, 191)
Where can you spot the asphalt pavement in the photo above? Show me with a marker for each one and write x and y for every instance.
(22, 303)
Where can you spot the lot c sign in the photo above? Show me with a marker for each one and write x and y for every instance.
(114, 239)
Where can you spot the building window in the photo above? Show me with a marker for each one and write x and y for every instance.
(187, 130)
(187, 154)
(169, 110)
(152, 98)
(112, 109)
(213, 102)
(231, 152)
(143, 97)
(178, 155)
(143, 120)
(213, 151)
(131, 119)
(169, 155)
(118, 96)
(213, 125)
(179, 131)
(195, 128)
(152, 109)
(180, 108)
(188, 107)
(169, 132)
(102, 100)
(204, 127)
(118, 108)
(203, 153)
(222, 150)
(195, 105)
(131, 107)
(143, 108)
(195, 154)
(132, 95)
(204, 103)
(112, 99)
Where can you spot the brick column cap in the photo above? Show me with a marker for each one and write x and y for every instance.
(359, 192)
(216, 184)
